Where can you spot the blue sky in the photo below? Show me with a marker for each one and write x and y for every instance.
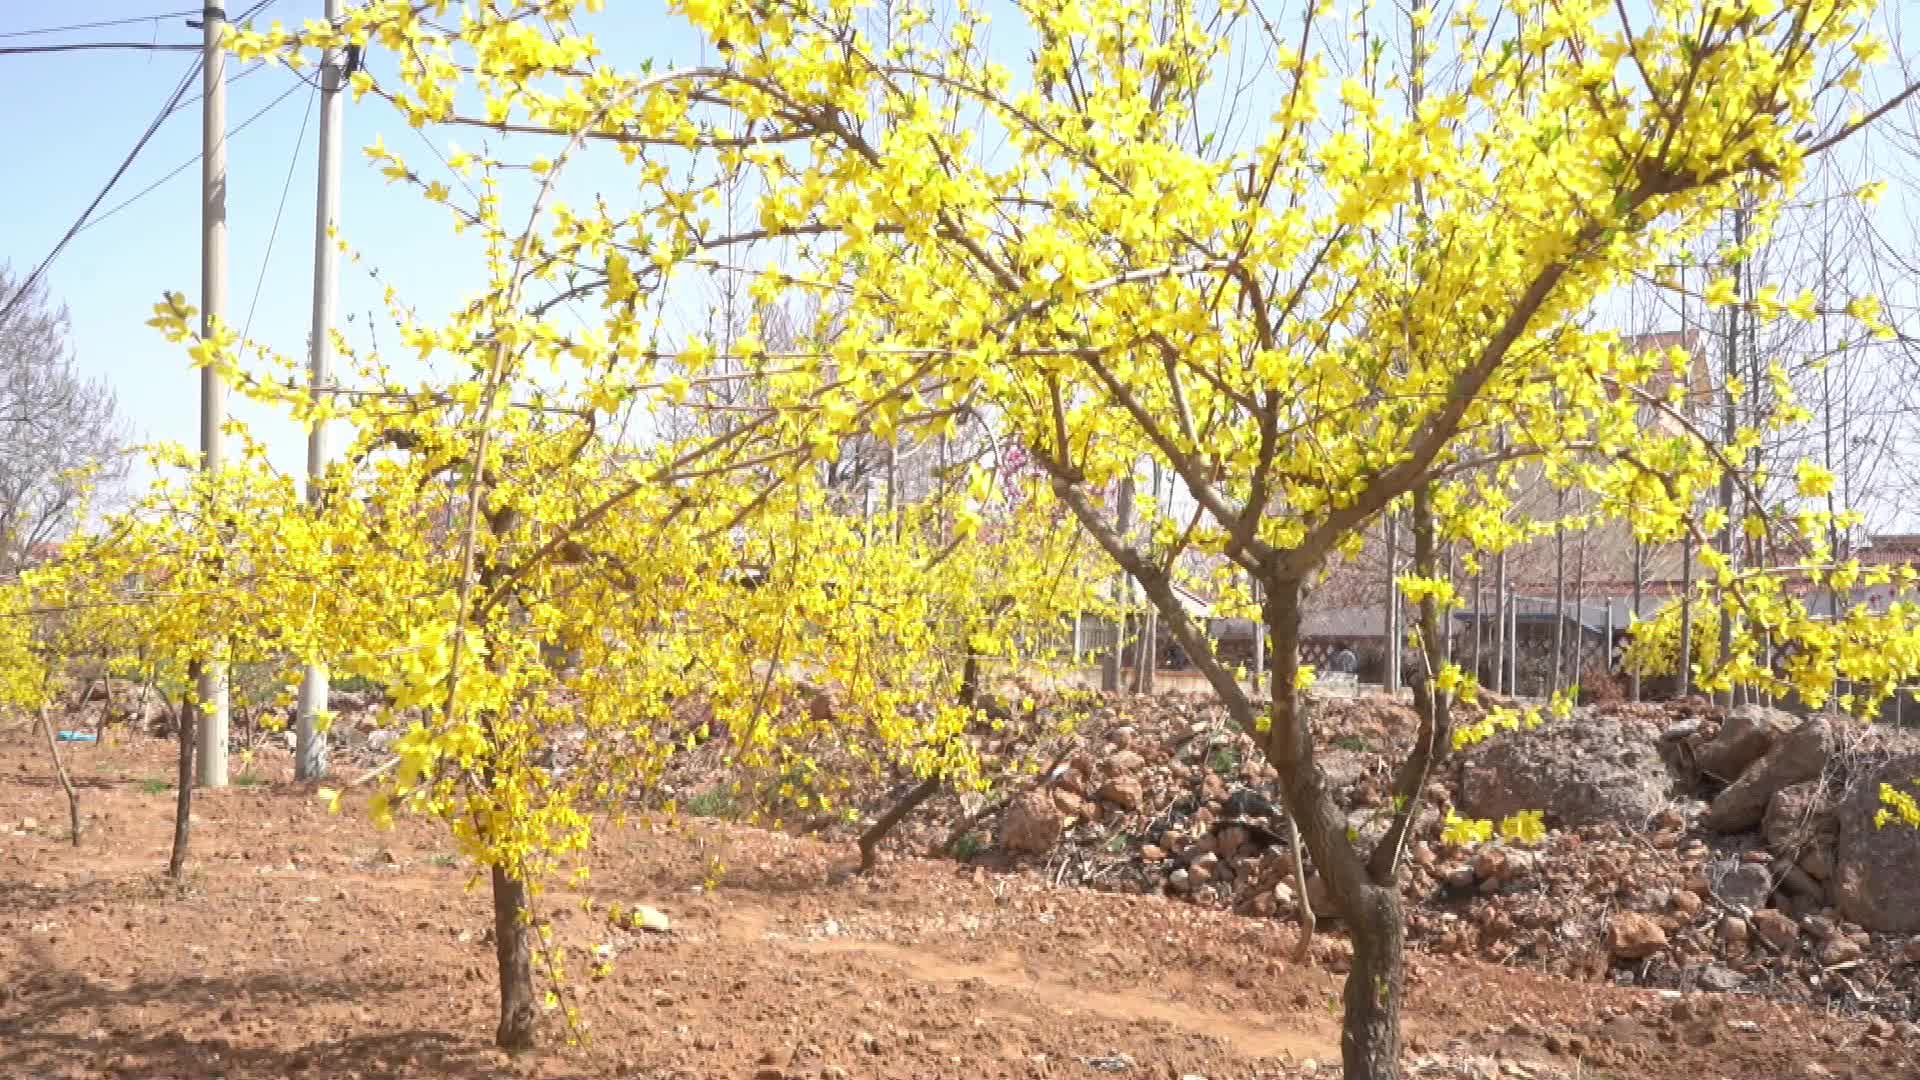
(86, 111)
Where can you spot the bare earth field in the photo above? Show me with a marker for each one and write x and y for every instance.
(314, 945)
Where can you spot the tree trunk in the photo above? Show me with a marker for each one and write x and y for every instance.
(887, 822)
(1303, 950)
(60, 770)
(1370, 1029)
(1364, 895)
(106, 714)
(513, 951)
(183, 796)
(1370, 1038)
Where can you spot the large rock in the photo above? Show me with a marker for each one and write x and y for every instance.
(1798, 756)
(1739, 884)
(1776, 928)
(1742, 740)
(1633, 936)
(1876, 879)
(1032, 825)
(1795, 817)
(1123, 792)
(1595, 768)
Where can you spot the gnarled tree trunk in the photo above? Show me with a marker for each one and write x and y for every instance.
(512, 949)
(1370, 1027)
(1361, 888)
(1370, 1037)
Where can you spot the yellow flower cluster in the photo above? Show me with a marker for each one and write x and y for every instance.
(1380, 282)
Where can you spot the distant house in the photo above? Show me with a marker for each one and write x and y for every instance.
(1883, 551)
(1091, 636)
(43, 552)
(1322, 631)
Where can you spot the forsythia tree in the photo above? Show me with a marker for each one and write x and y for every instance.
(535, 597)
(1385, 289)
(1312, 296)
(535, 592)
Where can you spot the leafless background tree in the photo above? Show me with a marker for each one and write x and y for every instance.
(60, 433)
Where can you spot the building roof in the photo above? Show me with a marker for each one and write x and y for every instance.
(1891, 549)
(1344, 622)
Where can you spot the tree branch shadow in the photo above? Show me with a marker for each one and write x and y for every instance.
(22, 898)
(40, 1015)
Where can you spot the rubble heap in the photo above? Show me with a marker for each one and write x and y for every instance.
(1687, 849)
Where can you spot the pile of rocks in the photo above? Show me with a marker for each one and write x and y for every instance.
(1176, 799)
(1804, 795)
(1686, 850)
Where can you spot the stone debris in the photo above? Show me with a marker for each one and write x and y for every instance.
(1637, 880)
(1686, 848)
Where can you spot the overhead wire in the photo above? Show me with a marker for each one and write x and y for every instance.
(190, 162)
(39, 271)
(87, 46)
(103, 23)
(274, 233)
(172, 105)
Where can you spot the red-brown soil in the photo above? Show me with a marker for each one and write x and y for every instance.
(307, 944)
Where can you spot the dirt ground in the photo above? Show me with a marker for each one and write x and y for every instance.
(314, 945)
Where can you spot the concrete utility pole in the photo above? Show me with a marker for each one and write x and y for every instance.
(1513, 643)
(1110, 669)
(1259, 636)
(1391, 678)
(211, 686)
(1502, 675)
(310, 742)
(1729, 430)
(1149, 655)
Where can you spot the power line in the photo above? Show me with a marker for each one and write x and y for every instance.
(274, 233)
(190, 162)
(104, 23)
(73, 230)
(244, 72)
(98, 25)
(83, 46)
(457, 175)
(144, 46)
